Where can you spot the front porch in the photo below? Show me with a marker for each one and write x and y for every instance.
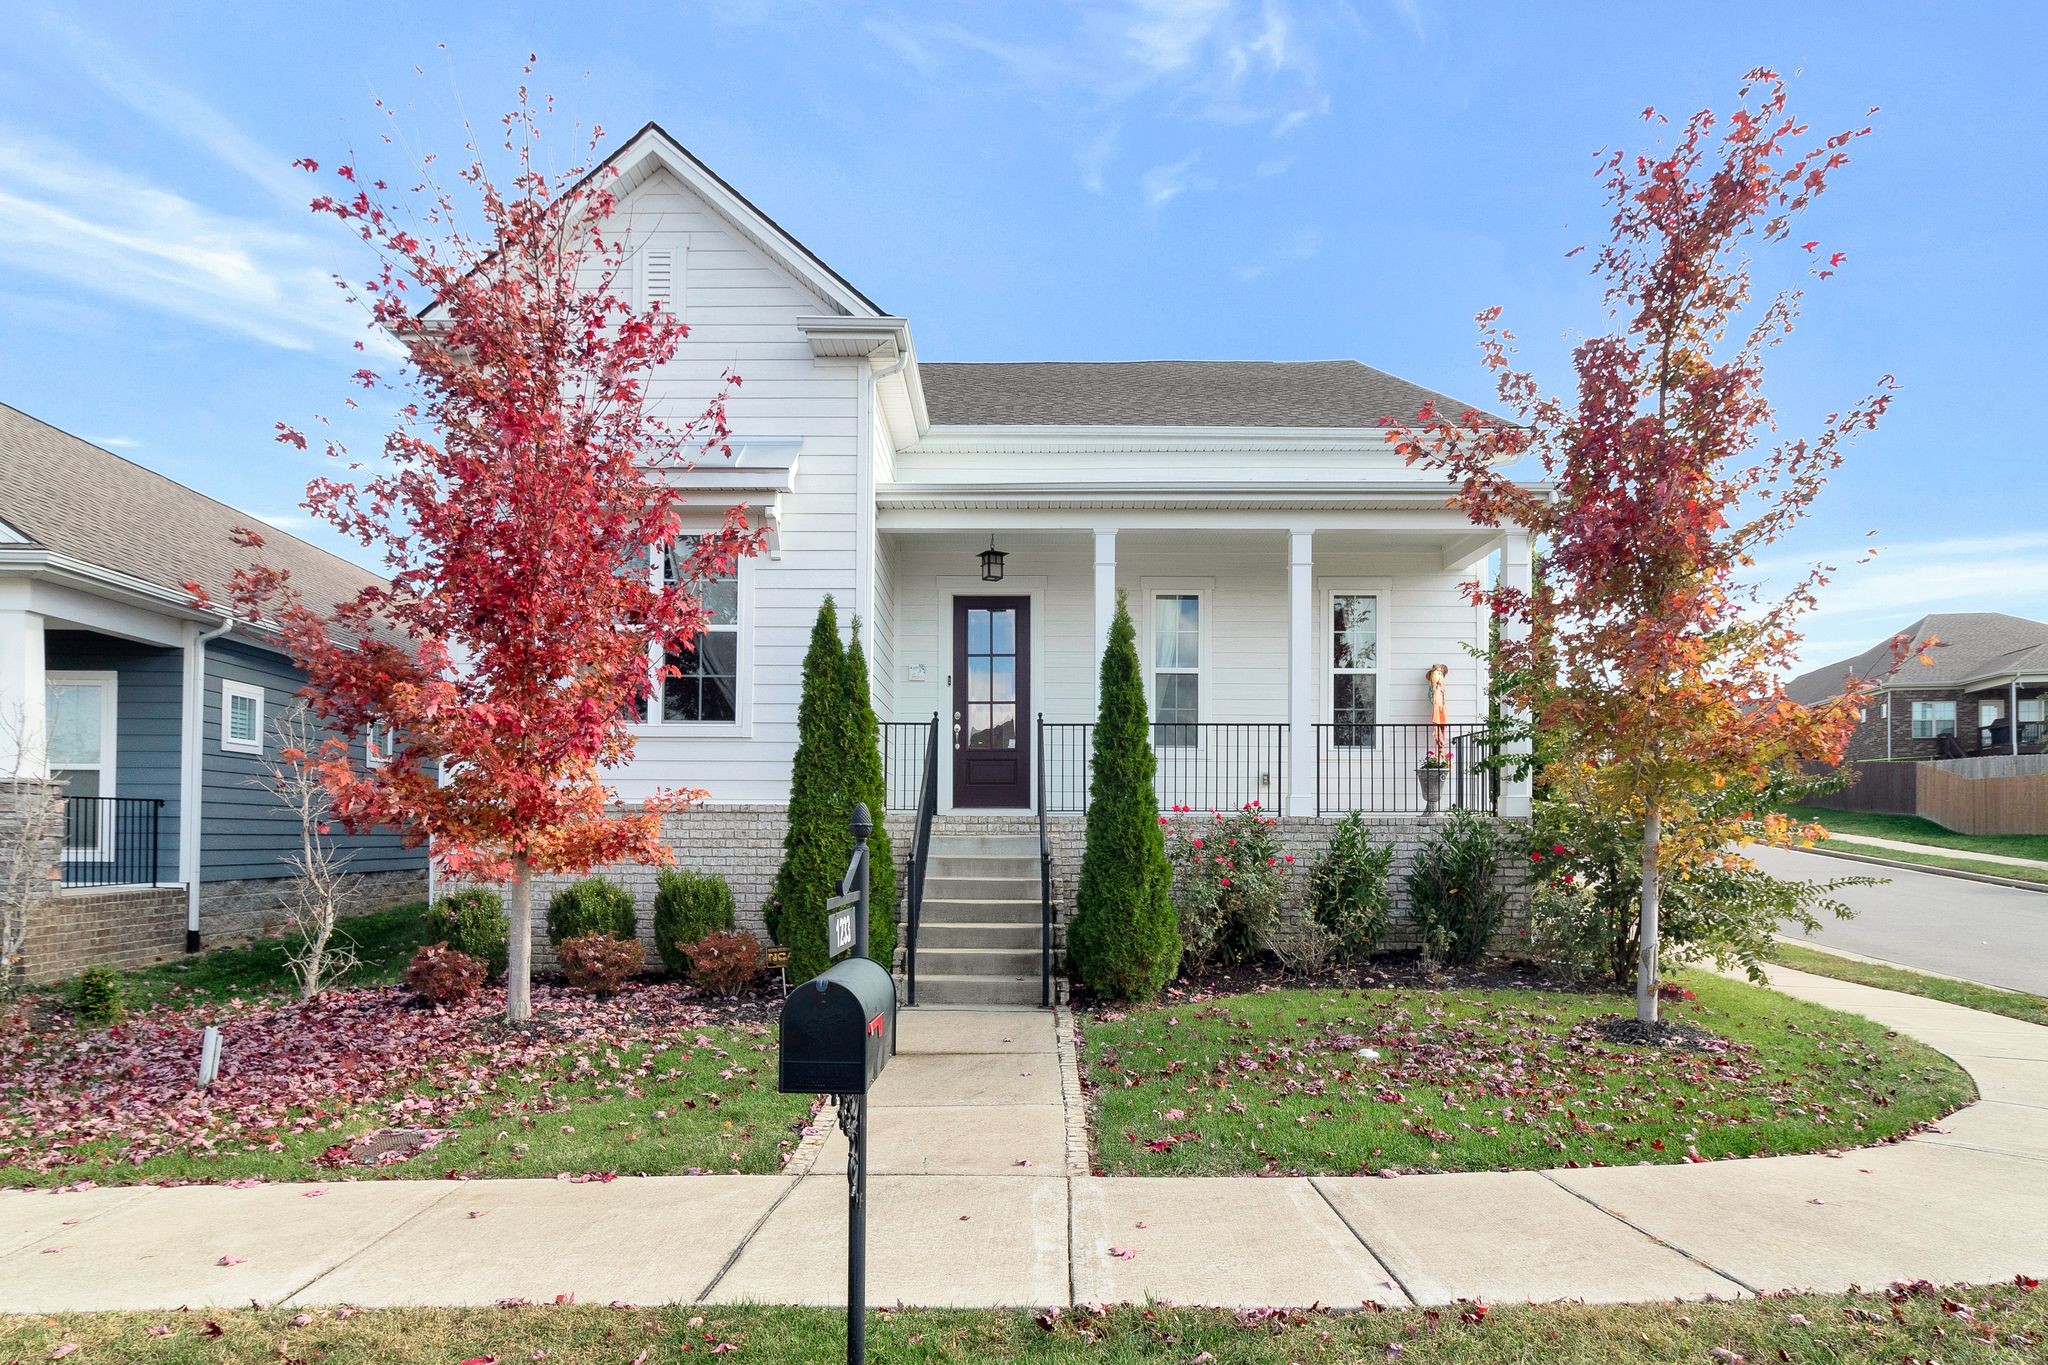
(1284, 664)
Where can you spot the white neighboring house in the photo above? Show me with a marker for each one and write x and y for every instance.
(1291, 580)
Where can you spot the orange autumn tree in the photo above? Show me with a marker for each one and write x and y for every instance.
(519, 509)
(1650, 655)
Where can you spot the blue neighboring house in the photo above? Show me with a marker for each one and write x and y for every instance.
(157, 712)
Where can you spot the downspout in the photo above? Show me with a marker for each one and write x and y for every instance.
(191, 740)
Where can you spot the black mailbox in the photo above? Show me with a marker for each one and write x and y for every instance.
(838, 1030)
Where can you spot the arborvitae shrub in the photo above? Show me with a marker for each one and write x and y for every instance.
(1124, 941)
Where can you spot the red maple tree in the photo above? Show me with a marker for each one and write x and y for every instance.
(520, 510)
(1648, 657)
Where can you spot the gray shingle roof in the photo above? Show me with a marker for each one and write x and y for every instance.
(75, 499)
(1193, 393)
(1974, 644)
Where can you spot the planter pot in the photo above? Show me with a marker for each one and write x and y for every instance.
(1431, 781)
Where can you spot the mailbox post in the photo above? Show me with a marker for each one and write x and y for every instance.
(838, 1032)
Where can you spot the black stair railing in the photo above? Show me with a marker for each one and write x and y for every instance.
(920, 853)
(1044, 880)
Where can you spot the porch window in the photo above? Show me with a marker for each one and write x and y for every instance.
(78, 716)
(1354, 668)
(1176, 669)
(2033, 718)
(1933, 719)
(1989, 715)
(241, 717)
(705, 684)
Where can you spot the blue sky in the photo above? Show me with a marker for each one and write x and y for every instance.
(1137, 178)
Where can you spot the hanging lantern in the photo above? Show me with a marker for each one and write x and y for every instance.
(992, 563)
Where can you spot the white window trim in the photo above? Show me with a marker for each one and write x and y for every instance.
(1201, 589)
(109, 683)
(1325, 647)
(230, 689)
(375, 755)
(741, 726)
(1933, 719)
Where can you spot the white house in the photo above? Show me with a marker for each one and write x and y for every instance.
(1291, 580)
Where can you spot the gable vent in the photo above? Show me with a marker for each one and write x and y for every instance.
(660, 268)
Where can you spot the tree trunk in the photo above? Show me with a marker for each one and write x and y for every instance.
(1646, 960)
(519, 949)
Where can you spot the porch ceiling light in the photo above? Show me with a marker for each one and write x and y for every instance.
(992, 563)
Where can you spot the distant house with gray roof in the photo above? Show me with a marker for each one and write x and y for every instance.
(152, 712)
(1984, 691)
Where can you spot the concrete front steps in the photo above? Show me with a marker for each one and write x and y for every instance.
(978, 936)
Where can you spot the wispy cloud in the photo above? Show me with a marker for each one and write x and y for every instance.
(1867, 602)
(1214, 63)
(1168, 182)
(283, 521)
(99, 229)
(116, 442)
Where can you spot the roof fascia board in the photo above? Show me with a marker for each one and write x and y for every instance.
(655, 143)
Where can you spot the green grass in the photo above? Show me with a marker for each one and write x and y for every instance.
(2005, 1323)
(1904, 859)
(383, 941)
(2012, 1004)
(1913, 829)
(1490, 1080)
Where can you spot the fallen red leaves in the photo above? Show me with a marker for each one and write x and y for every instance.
(129, 1093)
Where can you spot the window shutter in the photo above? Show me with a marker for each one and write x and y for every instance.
(660, 268)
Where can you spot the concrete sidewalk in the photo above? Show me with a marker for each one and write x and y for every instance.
(978, 1200)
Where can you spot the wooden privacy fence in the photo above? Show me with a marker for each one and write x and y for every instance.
(1984, 805)
(1951, 795)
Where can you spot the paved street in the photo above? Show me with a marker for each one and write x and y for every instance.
(1994, 934)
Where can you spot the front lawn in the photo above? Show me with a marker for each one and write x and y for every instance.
(1907, 1322)
(2013, 1004)
(1913, 829)
(653, 1081)
(1284, 1082)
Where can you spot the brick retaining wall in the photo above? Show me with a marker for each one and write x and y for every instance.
(118, 927)
(238, 911)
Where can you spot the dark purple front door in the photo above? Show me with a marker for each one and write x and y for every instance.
(991, 700)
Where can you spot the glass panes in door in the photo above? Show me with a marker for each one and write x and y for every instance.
(991, 678)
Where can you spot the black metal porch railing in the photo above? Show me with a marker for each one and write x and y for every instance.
(1213, 765)
(905, 747)
(927, 807)
(1373, 768)
(111, 840)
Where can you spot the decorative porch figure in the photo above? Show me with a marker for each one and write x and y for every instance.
(1439, 709)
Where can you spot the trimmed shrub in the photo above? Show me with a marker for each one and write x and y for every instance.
(443, 975)
(1124, 941)
(1348, 895)
(1455, 891)
(600, 963)
(724, 963)
(97, 1001)
(864, 732)
(472, 921)
(1228, 878)
(591, 906)
(687, 906)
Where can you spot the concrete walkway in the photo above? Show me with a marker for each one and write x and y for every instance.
(1938, 850)
(979, 1197)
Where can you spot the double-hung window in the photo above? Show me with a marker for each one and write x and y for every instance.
(1176, 669)
(2033, 718)
(701, 682)
(1933, 719)
(1354, 625)
(376, 744)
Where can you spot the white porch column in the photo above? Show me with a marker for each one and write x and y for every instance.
(1515, 573)
(1105, 603)
(23, 749)
(1301, 674)
(2012, 715)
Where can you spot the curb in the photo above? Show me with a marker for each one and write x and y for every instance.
(1958, 874)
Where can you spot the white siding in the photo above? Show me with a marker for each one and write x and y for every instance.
(742, 310)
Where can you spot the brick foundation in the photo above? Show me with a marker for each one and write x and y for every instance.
(118, 927)
(238, 911)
